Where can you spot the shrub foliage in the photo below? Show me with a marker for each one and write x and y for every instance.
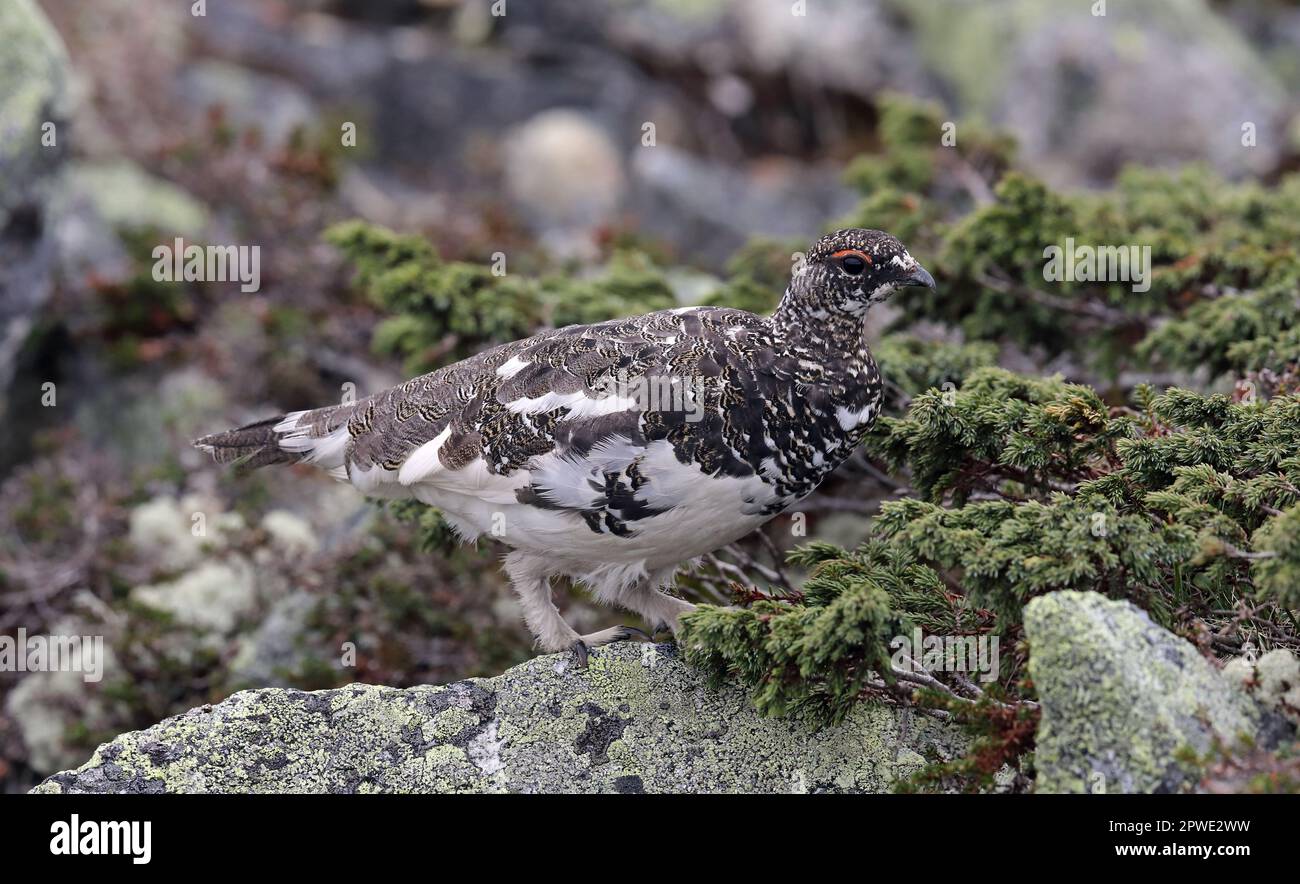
(1182, 495)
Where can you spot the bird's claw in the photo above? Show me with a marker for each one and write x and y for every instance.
(632, 632)
(582, 647)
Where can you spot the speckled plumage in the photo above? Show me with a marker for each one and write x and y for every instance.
(612, 453)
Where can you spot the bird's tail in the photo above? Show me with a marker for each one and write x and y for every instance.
(318, 436)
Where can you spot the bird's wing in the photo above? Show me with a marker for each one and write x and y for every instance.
(561, 420)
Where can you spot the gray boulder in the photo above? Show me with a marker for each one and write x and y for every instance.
(1159, 82)
(1124, 700)
(638, 720)
(33, 87)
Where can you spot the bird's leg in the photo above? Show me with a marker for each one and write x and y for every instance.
(553, 634)
(529, 580)
(614, 634)
(658, 608)
(585, 643)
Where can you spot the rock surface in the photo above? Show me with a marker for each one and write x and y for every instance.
(32, 93)
(33, 74)
(1123, 698)
(1084, 94)
(638, 720)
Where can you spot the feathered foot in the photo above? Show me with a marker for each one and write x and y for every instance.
(582, 647)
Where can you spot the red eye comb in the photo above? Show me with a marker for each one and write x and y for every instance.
(842, 252)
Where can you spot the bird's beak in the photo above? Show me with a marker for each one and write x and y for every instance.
(919, 276)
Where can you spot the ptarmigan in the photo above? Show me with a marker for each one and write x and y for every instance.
(614, 453)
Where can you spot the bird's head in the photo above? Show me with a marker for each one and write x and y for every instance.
(849, 270)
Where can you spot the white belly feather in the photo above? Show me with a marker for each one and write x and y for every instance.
(700, 512)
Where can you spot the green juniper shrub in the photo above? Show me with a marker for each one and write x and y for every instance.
(1005, 485)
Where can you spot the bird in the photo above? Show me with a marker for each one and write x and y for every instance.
(617, 453)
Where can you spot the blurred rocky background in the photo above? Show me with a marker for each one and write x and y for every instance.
(556, 134)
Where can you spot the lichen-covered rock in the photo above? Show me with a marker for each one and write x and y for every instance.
(638, 720)
(51, 708)
(33, 75)
(1273, 679)
(1085, 93)
(129, 199)
(1123, 699)
(563, 170)
(32, 93)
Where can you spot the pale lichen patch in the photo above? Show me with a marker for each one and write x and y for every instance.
(619, 726)
(1123, 700)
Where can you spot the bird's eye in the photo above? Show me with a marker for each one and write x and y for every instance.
(853, 265)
